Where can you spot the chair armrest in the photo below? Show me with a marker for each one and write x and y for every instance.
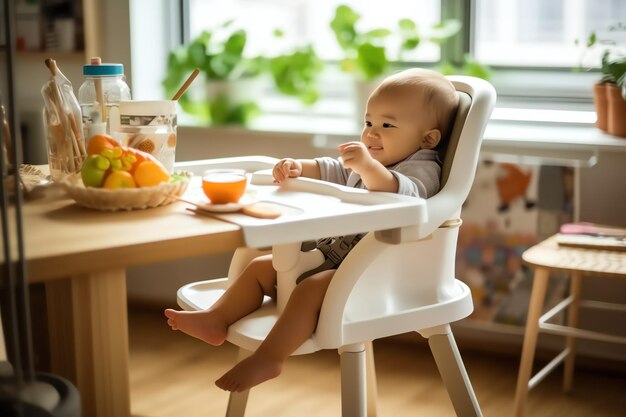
(329, 332)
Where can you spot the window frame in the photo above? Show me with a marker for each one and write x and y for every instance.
(565, 85)
(562, 85)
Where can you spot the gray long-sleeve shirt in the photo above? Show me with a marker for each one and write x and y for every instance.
(418, 175)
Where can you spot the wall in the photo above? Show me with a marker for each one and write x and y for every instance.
(603, 190)
(31, 72)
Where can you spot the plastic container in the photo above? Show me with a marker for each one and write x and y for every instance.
(149, 126)
(103, 88)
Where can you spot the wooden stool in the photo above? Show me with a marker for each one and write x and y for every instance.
(550, 256)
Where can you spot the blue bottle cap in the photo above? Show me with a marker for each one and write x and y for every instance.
(103, 70)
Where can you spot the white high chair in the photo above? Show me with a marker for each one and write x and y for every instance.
(394, 281)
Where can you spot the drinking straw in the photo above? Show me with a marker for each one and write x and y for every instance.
(96, 60)
(186, 85)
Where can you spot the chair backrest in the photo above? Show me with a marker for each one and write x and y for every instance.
(477, 99)
(465, 101)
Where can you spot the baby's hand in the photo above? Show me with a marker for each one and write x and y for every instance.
(286, 168)
(355, 156)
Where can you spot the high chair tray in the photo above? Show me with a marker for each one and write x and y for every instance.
(310, 209)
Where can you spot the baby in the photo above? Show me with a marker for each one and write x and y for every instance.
(408, 116)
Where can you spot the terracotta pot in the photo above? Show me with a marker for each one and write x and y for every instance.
(601, 101)
(616, 117)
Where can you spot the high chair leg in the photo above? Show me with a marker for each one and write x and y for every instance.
(353, 390)
(238, 400)
(370, 376)
(454, 375)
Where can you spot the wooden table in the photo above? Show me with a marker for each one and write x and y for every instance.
(549, 256)
(81, 255)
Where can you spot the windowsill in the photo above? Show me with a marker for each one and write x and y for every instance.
(520, 135)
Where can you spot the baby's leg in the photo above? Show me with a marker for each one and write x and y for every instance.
(240, 299)
(295, 325)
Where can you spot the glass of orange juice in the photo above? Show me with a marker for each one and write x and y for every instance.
(223, 186)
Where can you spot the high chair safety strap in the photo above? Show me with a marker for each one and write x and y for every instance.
(335, 249)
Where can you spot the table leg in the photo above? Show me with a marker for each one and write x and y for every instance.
(572, 321)
(88, 322)
(540, 283)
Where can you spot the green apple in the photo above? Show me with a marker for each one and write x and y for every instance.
(94, 170)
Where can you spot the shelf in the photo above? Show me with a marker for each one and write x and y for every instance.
(38, 55)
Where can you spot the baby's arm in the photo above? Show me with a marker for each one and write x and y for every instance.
(374, 174)
(293, 168)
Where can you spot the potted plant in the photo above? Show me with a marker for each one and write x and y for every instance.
(614, 83)
(295, 73)
(232, 79)
(365, 52)
(609, 92)
(219, 54)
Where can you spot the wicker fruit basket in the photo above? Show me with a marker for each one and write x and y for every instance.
(126, 198)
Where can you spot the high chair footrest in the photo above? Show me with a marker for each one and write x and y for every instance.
(247, 334)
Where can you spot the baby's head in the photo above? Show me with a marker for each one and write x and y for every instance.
(411, 110)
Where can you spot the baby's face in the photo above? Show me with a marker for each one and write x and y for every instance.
(394, 126)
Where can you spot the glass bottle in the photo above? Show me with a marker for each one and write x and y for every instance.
(103, 88)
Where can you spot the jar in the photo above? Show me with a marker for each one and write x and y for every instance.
(63, 129)
(149, 126)
(102, 89)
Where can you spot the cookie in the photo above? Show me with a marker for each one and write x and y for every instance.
(146, 145)
(262, 210)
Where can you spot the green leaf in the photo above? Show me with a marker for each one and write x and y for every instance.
(616, 68)
(447, 68)
(309, 96)
(376, 33)
(295, 74)
(199, 110)
(220, 107)
(407, 25)
(443, 31)
(196, 54)
(243, 113)
(409, 44)
(409, 38)
(592, 39)
(343, 25)
(235, 43)
(475, 69)
(371, 60)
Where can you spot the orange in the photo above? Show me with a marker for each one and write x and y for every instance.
(119, 179)
(140, 156)
(97, 143)
(149, 173)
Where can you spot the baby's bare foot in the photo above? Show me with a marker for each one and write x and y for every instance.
(199, 324)
(249, 372)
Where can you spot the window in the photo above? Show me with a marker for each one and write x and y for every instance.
(538, 33)
(308, 21)
(529, 45)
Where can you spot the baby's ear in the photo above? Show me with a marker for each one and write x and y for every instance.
(431, 139)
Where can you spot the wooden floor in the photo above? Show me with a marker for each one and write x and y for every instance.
(172, 376)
